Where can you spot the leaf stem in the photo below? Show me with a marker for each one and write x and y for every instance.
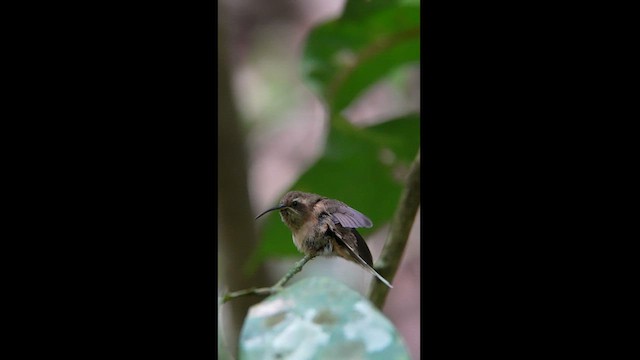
(279, 286)
(403, 218)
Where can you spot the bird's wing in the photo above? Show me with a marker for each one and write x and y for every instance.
(345, 215)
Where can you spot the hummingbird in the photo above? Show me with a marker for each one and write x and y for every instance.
(326, 227)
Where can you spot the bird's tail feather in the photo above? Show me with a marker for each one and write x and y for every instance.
(364, 264)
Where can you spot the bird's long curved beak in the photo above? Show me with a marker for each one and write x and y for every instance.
(275, 208)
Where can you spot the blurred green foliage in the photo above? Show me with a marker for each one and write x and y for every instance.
(362, 167)
(346, 56)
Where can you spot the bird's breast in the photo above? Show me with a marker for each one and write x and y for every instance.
(301, 236)
(311, 238)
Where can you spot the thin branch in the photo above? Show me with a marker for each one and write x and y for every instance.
(279, 286)
(389, 260)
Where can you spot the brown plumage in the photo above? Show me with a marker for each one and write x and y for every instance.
(327, 227)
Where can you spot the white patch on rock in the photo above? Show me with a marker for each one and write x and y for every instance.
(372, 329)
(270, 308)
(300, 339)
(254, 342)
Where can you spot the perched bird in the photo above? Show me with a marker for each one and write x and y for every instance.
(326, 227)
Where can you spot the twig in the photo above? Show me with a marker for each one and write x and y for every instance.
(389, 260)
(279, 286)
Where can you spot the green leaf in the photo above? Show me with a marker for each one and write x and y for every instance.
(352, 170)
(355, 9)
(344, 57)
(400, 135)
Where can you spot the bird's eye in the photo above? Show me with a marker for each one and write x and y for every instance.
(294, 203)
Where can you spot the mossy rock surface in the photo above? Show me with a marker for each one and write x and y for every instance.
(319, 318)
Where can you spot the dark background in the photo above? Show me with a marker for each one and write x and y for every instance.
(117, 162)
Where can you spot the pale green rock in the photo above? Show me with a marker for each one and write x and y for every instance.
(319, 318)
